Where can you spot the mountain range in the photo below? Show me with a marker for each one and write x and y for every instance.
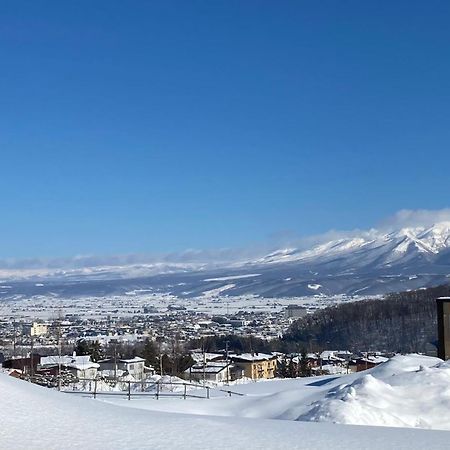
(368, 263)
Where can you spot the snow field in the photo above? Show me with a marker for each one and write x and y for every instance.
(408, 391)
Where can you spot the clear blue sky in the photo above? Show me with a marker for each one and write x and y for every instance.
(159, 126)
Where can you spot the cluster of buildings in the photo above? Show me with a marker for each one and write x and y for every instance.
(67, 369)
(28, 346)
(19, 336)
(216, 368)
(223, 368)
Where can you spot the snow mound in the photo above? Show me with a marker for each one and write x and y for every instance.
(407, 391)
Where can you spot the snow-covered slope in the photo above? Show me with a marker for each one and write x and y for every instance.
(373, 262)
(407, 391)
(38, 418)
(376, 247)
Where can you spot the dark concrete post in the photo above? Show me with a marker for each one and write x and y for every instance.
(443, 324)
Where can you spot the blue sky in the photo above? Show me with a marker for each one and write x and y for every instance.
(146, 127)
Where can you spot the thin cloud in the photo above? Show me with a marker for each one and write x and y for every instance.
(415, 218)
(220, 257)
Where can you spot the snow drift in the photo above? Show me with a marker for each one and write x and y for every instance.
(412, 391)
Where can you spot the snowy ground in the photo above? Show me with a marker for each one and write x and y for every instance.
(212, 302)
(407, 391)
(412, 391)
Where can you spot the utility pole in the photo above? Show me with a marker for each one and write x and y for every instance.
(31, 354)
(59, 349)
(172, 369)
(14, 338)
(204, 364)
(115, 360)
(227, 366)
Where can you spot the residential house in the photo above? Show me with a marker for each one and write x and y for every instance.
(81, 367)
(216, 372)
(26, 365)
(368, 362)
(198, 356)
(115, 367)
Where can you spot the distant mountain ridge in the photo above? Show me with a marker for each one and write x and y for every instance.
(370, 263)
(382, 249)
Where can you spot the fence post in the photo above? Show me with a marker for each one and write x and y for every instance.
(229, 393)
(157, 390)
(207, 391)
(129, 390)
(95, 388)
(184, 396)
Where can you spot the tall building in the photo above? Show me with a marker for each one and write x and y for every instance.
(295, 312)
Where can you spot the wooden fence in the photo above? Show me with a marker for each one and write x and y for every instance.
(158, 391)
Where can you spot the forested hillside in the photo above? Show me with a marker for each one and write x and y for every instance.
(401, 322)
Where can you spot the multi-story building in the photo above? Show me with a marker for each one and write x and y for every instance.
(36, 329)
(295, 312)
(256, 365)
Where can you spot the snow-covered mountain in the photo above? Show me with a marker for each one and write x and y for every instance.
(371, 262)
(368, 263)
(373, 247)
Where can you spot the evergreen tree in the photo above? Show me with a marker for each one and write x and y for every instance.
(82, 348)
(304, 369)
(93, 349)
(150, 353)
(96, 352)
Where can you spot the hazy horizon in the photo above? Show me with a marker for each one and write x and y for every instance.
(402, 219)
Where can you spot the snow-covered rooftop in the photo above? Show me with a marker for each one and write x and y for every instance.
(210, 367)
(77, 362)
(252, 357)
(136, 359)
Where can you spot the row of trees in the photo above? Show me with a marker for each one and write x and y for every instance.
(170, 363)
(236, 344)
(401, 322)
